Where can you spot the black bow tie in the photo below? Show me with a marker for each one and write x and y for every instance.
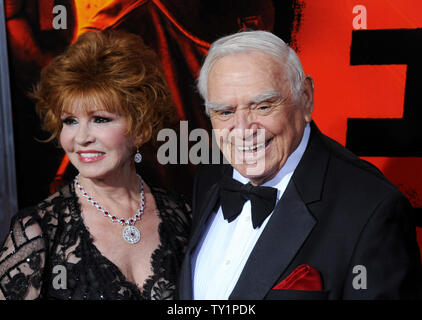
(234, 194)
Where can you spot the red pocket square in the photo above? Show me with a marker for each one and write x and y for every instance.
(303, 277)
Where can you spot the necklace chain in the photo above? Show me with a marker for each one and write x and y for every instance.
(106, 213)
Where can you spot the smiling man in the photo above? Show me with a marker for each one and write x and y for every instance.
(241, 105)
(295, 215)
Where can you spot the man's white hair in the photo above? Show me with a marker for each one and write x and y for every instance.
(247, 41)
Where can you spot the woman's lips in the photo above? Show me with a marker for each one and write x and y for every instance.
(90, 156)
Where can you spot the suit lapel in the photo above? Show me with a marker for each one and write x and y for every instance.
(290, 224)
(207, 207)
(310, 173)
(284, 234)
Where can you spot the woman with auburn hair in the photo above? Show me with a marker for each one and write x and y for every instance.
(106, 235)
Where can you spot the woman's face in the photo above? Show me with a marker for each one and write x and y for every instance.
(96, 142)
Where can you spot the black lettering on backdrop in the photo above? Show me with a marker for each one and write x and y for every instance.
(389, 137)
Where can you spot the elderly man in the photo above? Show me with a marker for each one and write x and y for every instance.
(295, 215)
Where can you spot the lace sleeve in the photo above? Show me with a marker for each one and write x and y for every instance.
(22, 259)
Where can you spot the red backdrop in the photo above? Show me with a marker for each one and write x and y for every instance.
(180, 32)
(343, 91)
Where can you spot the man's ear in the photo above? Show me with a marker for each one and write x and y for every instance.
(307, 97)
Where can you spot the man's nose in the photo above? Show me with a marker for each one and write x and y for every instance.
(243, 119)
(244, 126)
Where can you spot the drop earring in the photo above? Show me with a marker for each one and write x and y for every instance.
(138, 156)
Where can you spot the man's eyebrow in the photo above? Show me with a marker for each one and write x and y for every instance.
(215, 106)
(266, 96)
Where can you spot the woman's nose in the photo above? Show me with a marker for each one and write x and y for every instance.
(84, 135)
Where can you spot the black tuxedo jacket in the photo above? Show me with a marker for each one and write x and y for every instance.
(336, 213)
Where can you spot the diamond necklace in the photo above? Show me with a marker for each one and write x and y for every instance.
(131, 234)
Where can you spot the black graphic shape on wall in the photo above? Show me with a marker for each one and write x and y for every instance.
(389, 137)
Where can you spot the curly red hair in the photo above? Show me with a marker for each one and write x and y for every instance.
(110, 70)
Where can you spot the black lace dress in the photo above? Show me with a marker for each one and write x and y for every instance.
(50, 254)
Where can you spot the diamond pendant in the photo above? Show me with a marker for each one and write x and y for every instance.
(131, 234)
(138, 157)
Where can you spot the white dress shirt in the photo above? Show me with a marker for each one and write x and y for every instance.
(225, 247)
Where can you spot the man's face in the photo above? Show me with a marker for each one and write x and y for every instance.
(256, 120)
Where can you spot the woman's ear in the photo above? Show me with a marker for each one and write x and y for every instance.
(137, 140)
